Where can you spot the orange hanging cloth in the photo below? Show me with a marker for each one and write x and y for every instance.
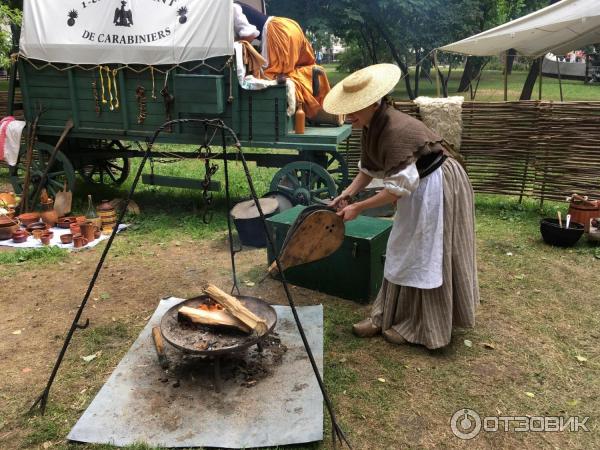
(290, 54)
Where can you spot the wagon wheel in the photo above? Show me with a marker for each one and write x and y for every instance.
(304, 181)
(338, 169)
(112, 171)
(61, 171)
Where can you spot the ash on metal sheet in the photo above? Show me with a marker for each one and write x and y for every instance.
(245, 368)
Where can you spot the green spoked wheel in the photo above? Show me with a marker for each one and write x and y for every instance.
(110, 172)
(60, 173)
(306, 182)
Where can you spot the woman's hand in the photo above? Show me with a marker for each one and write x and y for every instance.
(350, 212)
(340, 202)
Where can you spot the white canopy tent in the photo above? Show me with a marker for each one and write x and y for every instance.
(559, 28)
(149, 32)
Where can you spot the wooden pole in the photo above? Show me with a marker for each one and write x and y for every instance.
(559, 78)
(540, 79)
(506, 76)
(437, 73)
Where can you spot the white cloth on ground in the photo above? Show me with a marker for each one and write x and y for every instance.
(12, 142)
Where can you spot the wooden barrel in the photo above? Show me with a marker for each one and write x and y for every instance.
(582, 211)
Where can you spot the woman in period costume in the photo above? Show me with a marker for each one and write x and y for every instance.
(430, 275)
(287, 52)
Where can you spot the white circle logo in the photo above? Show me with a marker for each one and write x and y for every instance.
(465, 424)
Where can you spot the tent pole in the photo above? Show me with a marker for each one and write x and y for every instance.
(437, 73)
(559, 78)
(540, 78)
(506, 77)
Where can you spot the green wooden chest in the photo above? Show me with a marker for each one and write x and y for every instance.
(354, 271)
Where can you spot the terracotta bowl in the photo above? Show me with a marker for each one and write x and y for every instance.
(37, 226)
(65, 222)
(19, 236)
(80, 219)
(7, 221)
(66, 238)
(29, 218)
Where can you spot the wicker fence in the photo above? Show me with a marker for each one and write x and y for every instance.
(544, 150)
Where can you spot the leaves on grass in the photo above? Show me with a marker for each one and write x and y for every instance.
(581, 358)
(91, 357)
(530, 394)
(574, 402)
(509, 254)
(468, 343)
(520, 276)
(488, 345)
(26, 370)
(16, 332)
(105, 296)
(249, 283)
(382, 380)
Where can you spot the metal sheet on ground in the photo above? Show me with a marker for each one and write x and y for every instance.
(179, 408)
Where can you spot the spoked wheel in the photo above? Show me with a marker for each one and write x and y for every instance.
(61, 171)
(109, 172)
(305, 182)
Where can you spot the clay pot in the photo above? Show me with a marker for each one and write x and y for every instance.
(87, 230)
(75, 229)
(48, 233)
(65, 222)
(107, 213)
(66, 238)
(80, 219)
(79, 241)
(7, 232)
(49, 216)
(106, 230)
(19, 236)
(37, 234)
(37, 226)
(29, 218)
(6, 221)
(96, 233)
(45, 239)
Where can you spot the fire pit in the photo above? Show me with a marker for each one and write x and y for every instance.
(211, 342)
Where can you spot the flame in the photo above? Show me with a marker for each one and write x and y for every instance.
(210, 307)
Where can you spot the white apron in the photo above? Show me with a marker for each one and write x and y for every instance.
(415, 246)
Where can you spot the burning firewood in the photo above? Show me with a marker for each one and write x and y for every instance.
(234, 307)
(212, 318)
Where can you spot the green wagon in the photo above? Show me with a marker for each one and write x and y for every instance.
(112, 106)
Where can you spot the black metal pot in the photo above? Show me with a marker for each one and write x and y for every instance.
(554, 234)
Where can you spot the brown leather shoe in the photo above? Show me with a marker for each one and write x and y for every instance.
(393, 337)
(365, 328)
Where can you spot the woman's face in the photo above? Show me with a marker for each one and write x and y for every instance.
(363, 117)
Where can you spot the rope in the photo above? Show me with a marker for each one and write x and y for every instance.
(16, 56)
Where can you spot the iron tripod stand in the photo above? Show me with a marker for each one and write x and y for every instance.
(218, 125)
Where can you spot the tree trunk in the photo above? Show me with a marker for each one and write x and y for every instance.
(530, 81)
(472, 68)
(512, 53)
(417, 72)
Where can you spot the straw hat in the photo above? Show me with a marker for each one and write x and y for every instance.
(362, 88)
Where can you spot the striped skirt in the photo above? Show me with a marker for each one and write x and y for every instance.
(427, 316)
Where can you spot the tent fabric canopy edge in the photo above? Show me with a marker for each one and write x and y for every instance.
(558, 28)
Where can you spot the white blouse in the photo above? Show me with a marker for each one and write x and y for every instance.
(242, 28)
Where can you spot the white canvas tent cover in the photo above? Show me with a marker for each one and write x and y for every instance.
(149, 32)
(559, 28)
